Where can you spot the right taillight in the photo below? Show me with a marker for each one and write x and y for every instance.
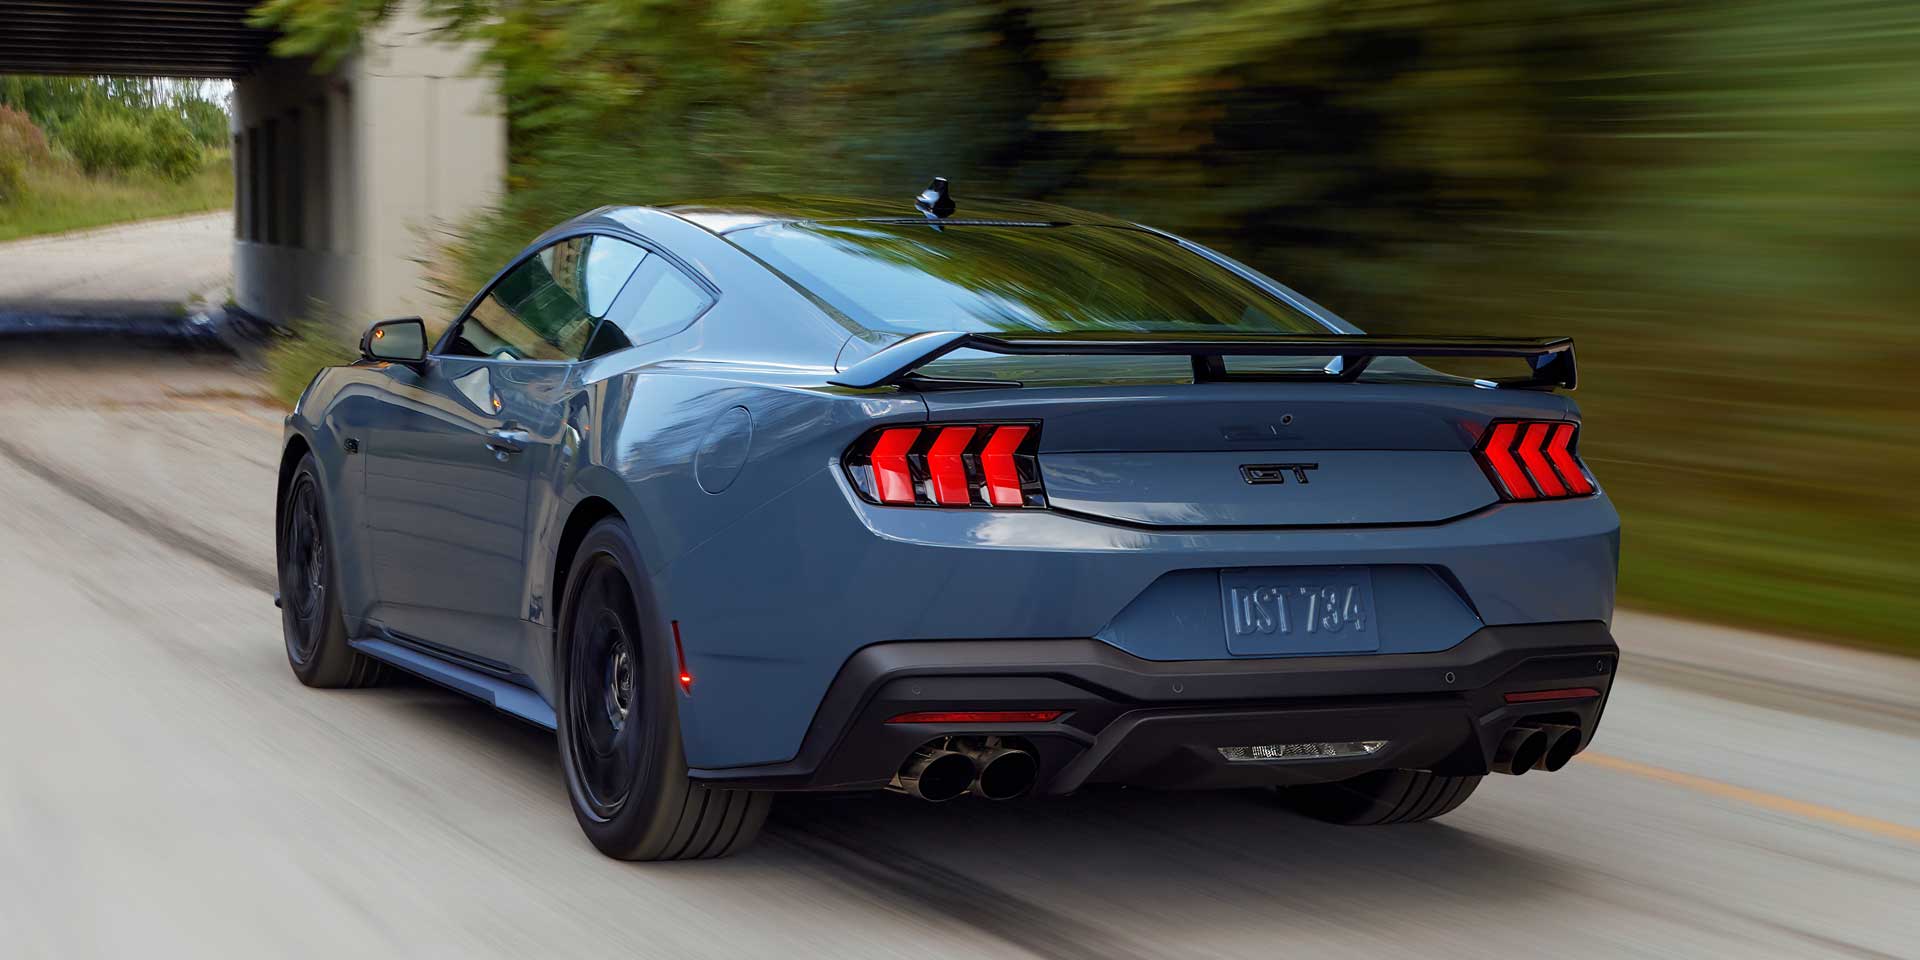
(1534, 460)
(949, 465)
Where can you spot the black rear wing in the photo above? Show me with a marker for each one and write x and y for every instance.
(1550, 358)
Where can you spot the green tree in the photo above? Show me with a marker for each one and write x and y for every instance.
(206, 120)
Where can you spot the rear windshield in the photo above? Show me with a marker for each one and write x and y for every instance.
(915, 277)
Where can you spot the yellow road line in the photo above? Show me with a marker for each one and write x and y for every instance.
(1758, 798)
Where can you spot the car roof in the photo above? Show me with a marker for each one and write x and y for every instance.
(741, 213)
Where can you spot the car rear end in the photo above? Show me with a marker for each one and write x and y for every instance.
(1091, 570)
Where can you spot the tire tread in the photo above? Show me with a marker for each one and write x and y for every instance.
(1382, 797)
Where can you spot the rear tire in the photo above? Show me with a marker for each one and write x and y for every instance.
(316, 636)
(1381, 797)
(619, 723)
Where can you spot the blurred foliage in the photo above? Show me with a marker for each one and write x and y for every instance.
(22, 145)
(1716, 199)
(206, 121)
(105, 142)
(326, 30)
(308, 344)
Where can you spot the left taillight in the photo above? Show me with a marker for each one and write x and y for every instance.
(949, 465)
(1534, 460)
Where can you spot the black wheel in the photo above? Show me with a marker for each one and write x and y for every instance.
(309, 605)
(619, 723)
(1383, 796)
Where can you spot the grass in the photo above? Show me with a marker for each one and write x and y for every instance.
(59, 198)
(308, 344)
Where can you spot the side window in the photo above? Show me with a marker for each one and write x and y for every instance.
(546, 308)
(659, 300)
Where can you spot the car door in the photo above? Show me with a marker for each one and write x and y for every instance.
(451, 460)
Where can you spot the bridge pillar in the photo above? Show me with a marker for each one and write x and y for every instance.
(345, 180)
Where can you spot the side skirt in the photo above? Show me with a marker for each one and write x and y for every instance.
(506, 696)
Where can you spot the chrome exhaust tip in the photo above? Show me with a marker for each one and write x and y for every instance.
(1005, 772)
(934, 774)
(1520, 749)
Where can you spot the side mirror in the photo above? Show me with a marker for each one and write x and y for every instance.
(399, 341)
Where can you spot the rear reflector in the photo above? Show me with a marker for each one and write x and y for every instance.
(949, 465)
(1534, 460)
(1568, 693)
(1303, 751)
(980, 716)
(680, 659)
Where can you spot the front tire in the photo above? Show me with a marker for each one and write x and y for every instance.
(619, 723)
(1381, 797)
(316, 636)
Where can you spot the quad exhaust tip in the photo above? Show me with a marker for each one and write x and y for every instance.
(934, 774)
(1520, 749)
(1526, 746)
(1562, 743)
(987, 768)
(1005, 772)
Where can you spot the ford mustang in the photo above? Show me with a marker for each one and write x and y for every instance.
(950, 498)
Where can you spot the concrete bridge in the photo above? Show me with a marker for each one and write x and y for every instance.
(341, 177)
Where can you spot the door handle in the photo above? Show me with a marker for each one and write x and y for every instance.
(506, 441)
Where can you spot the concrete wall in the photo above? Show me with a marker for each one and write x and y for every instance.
(344, 181)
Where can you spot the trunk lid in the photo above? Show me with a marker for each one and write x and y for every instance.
(1257, 454)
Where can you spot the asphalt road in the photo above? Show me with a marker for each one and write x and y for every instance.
(148, 267)
(168, 789)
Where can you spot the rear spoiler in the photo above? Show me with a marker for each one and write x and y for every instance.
(1550, 358)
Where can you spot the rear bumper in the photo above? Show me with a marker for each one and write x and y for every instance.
(1157, 723)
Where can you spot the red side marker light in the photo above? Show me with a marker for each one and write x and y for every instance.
(680, 661)
(1567, 693)
(980, 716)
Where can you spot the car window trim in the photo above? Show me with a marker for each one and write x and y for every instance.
(547, 240)
(674, 265)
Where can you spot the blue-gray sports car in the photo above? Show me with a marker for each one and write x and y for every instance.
(951, 497)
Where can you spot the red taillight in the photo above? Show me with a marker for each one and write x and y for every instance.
(1003, 477)
(980, 716)
(1563, 460)
(893, 483)
(1534, 460)
(1498, 453)
(948, 474)
(1534, 457)
(949, 465)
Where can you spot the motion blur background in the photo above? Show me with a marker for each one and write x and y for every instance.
(1718, 200)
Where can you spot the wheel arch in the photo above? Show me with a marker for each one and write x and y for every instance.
(589, 511)
(590, 508)
(296, 449)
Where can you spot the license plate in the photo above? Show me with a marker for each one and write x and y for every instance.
(1281, 610)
